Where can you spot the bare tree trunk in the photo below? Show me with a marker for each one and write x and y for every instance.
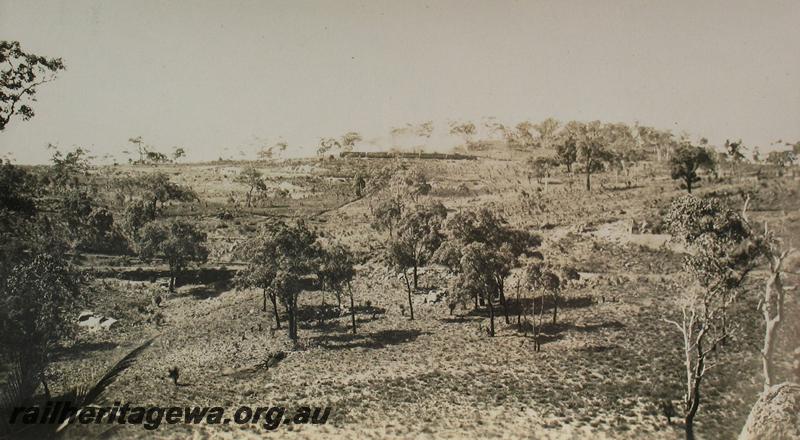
(538, 327)
(694, 376)
(491, 314)
(694, 398)
(519, 307)
(588, 178)
(410, 302)
(274, 299)
(352, 308)
(773, 315)
(504, 303)
(415, 276)
(293, 318)
(555, 305)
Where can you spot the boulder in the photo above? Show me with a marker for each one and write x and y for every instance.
(775, 416)
(93, 322)
(432, 297)
(106, 322)
(90, 322)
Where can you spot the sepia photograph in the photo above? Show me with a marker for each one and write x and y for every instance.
(400, 219)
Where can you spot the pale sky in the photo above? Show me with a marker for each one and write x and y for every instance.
(217, 77)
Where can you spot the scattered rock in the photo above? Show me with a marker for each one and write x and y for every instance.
(106, 322)
(432, 297)
(94, 322)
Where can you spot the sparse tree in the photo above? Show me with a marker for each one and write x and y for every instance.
(21, 75)
(420, 232)
(422, 130)
(280, 262)
(336, 271)
(156, 157)
(141, 148)
(651, 139)
(686, 161)
(348, 141)
(39, 298)
(781, 158)
(359, 184)
(268, 152)
(507, 133)
(465, 130)
(295, 245)
(418, 236)
(154, 188)
(415, 184)
(449, 255)
(262, 266)
(724, 252)
(621, 144)
(253, 179)
(540, 168)
(735, 150)
(567, 152)
(177, 153)
(387, 215)
(546, 131)
(484, 269)
(68, 168)
(524, 134)
(591, 150)
(326, 144)
(542, 277)
(135, 215)
(773, 305)
(345, 143)
(399, 258)
(177, 242)
(265, 153)
(425, 129)
(487, 227)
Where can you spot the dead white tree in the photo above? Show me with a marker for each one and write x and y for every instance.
(703, 325)
(773, 302)
(723, 251)
(772, 305)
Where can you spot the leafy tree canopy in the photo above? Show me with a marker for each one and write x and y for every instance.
(20, 78)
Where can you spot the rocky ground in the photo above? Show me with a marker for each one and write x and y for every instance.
(605, 370)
